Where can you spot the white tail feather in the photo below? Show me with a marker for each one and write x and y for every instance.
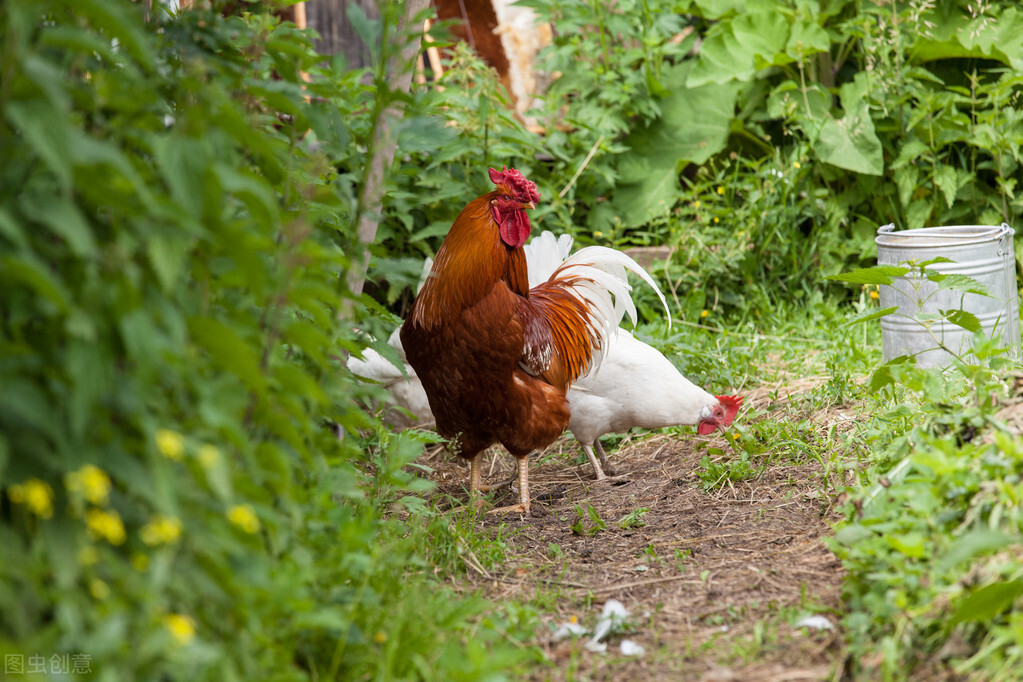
(600, 281)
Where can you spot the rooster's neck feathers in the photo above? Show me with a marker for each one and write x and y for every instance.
(469, 263)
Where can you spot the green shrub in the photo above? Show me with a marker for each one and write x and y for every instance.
(174, 218)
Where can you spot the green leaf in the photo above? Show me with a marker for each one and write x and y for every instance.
(946, 180)
(228, 350)
(807, 37)
(986, 603)
(47, 132)
(879, 274)
(958, 282)
(872, 315)
(883, 375)
(64, 219)
(910, 544)
(967, 321)
(851, 143)
(694, 125)
(971, 544)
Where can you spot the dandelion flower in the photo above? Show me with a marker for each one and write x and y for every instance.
(91, 481)
(598, 234)
(161, 530)
(380, 637)
(35, 494)
(106, 525)
(874, 295)
(209, 455)
(705, 313)
(696, 204)
(170, 443)
(717, 220)
(242, 516)
(735, 436)
(721, 190)
(181, 627)
(795, 164)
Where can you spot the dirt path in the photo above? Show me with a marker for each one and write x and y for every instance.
(713, 579)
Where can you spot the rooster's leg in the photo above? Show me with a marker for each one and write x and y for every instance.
(523, 505)
(475, 479)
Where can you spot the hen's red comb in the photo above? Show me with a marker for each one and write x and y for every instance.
(731, 403)
(523, 190)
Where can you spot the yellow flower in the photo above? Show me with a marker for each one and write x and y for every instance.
(35, 494)
(99, 589)
(874, 295)
(796, 164)
(573, 619)
(242, 516)
(209, 455)
(88, 555)
(91, 481)
(721, 190)
(170, 443)
(380, 637)
(696, 204)
(161, 530)
(705, 313)
(181, 627)
(598, 234)
(735, 436)
(140, 561)
(717, 220)
(105, 524)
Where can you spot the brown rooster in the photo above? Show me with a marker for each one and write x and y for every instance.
(496, 356)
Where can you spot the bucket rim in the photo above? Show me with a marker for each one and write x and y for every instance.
(951, 235)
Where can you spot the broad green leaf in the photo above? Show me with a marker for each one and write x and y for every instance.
(879, 274)
(47, 132)
(958, 282)
(946, 180)
(986, 603)
(851, 142)
(694, 125)
(961, 318)
(64, 219)
(981, 541)
(805, 38)
(910, 544)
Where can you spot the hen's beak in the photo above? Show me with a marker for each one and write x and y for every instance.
(529, 205)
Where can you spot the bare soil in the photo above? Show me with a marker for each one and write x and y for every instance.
(714, 579)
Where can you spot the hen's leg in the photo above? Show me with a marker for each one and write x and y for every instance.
(603, 458)
(523, 505)
(588, 449)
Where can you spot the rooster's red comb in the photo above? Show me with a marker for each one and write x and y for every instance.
(731, 403)
(523, 190)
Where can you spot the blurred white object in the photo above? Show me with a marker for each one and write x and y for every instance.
(630, 648)
(815, 623)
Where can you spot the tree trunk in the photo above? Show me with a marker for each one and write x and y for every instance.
(399, 69)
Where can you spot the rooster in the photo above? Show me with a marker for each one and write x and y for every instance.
(496, 356)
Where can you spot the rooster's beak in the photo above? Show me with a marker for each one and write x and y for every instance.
(529, 205)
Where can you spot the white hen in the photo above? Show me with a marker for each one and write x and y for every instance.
(634, 385)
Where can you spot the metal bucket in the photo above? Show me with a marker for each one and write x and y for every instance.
(983, 252)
